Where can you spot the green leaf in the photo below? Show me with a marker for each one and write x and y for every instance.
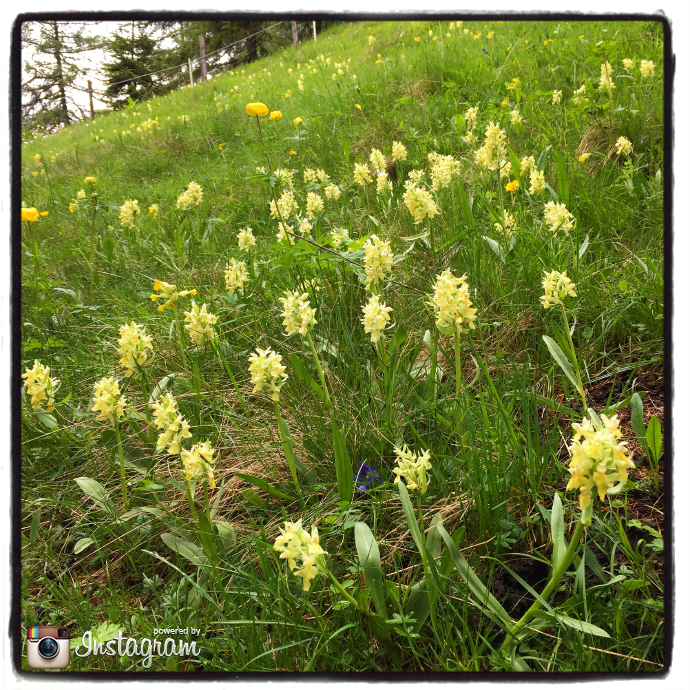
(343, 465)
(473, 582)
(263, 484)
(583, 247)
(251, 496)
(207, 537)
(411, 517)
(227, 534)
(96, 492)
(433, 538)
(514, 166)
(160, 387)
(559, 407)
(543, 156)
(47, 420)
(185, 548)
(496, 248)
(35, 525)
(370, 561)
(562, 361)
(303, 374)
(653, 437)
(637, 421)
(83, 544)
(346, 151)
(557, 532)
(581, 626)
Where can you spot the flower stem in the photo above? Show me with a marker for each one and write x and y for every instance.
(458, 375)
(343, 591)
(123, 479)
(206, 504)
(581, 388)
(322, 378)
(178, 330)
(286, 447)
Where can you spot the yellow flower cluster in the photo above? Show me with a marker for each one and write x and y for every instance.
(81, 195)
(646, 68)
(40, 386)
(339, 235)
(315, 176)
(192, 196)
(378, 260)
(153, 209)
(246, 239)
(375, 318)
(515, 117)
(413, 468)
(236, 276)
(419, 202)
(127, 212)
(578, 97)
(605, 80)
(527, 163)
(174, 427)
(362, 174)
(298, 316)
(305, 227)
(443, 168)
(597, 460)
(133, 342)
(286, 206)
(197, 464)
(451, 301)
(556, 97)
(508, 227)
(556, 286)
(558, 217)
(314, 205)
(399, 151)
(378, 160)
(283, 234)
(332, 192)
(628, 64)
(284, 176)
(199, 323)
(383, 184)
(623, 146)
(168, 293)
(267, 372)
(537, 181)
(109, 403)
(294, 544)
(493, 154)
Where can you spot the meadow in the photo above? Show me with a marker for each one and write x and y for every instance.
(352, 357)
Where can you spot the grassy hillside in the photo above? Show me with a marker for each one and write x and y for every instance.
(136, 544)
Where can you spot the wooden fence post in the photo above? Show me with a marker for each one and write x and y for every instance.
(294, 34)
(191, 76)
(90, 90)
(202, 55)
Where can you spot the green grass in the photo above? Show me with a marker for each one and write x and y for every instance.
(509, 453)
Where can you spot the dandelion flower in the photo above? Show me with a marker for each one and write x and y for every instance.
(173, 426)
(512, 186)
(451, 302)
(298, 316)
(558, 217)
(236, 276)
(40, 386)
(267, 372)
(199, 323)
(109, 403)
(623, 146)
(133, 342)
(246, 239)
(413, 468)
(375, 318)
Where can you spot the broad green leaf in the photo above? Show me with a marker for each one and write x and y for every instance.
(562, 361)
(83, 544)
(207, 537)
(411, 517)
(185, 548)
(543, 156)
(417, 605)
(227, 534)
(559, 407)
(47, 420)
(583, 247)
(594, 564)
(160, 387)
(581, 626)
(433, 538)
(653, 437)
(263, 484)
(370, 561)
(514, 166)
(141, 510)
(473, 582)
(251, 496)
(637, 416)
(557, 532)
(496, 248)
(303, 374)
(35, 525)
(343, 465)
(96, 492)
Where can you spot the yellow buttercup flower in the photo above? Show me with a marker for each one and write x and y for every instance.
(40, 386)
(556, 286)
(30, 214)
(276, 115)
(199, 323)
(134, 341)
(236, 276)
(267, 372)
(295, 544)
(197, 464)
(109, 402)
(258, 109)
(512, 186)
(375, 318)
(413, 468)
(174, 427)
(451, 302)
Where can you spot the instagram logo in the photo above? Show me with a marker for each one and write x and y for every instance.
(47, 647)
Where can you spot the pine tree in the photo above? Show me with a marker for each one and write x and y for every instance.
(54, 65)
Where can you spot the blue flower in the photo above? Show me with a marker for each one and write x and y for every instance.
(366, 476)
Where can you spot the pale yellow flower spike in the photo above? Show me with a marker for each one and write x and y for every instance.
(267, 372)
(133, 342)
(199, 323)
(296, 544)
(413, 468)
(40, 386)
(171, 423)
(109, 403)
(451, 302)
(556, 286)
(376, 316)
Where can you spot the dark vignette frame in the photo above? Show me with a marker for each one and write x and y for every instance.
(16, 381)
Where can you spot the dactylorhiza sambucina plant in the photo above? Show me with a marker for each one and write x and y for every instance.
(421, 205)
(375, 319)
(236, 276)
(454, 314)
(246, 240)
(557, 217)
(40, 386)
(197, 467)
(378, 262)
(169, 294)
(192, 196)
(199, 324)
(299, 547)
(557, 286)
(134, 343)
(111, 406)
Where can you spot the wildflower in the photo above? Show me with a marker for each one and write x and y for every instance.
(174, 427)
(628, 64)
(399, 151)
(416, 38)
(451, 301)
(358, 106)
(30, 214)
(197, 464)
(298, 316)
(133, 342)
(153, 209)
(442, 170)
(314, 205)
(556, 286)
(371, 40)
(261, 170)
(43, 213)
(300, 85)
(413, 467)
(192, 196)
(310, 176)
(505, 102)
(623, 146)
(557, 216)
(514, 84)
(286, 206)
(605, 81)
(283, 234)
(470, 138)
(258, 109)
(646, 68)
(527, 163)
(378, 160)
(508, 226)
(284, 177)
(37, 157)
(168, 293)
(267, 372)
(556, 97)
(537, 181)
(378, 260)
(512, 186)
(515, 117)
(89, 179)
(598, 460)
(199, 323)
(109, 403)
(490, 34)
(584, 157)
(297, 121)
(305, 226)
(493, 153)
(383, 184)
(366, 476)
(415, 176)
(127, 211)
(419, 203)
(362, 174)
(332, 192)
(276, 115)
(246, 239)
(339, 235)
(295, 544)
(81, 195)
(375, 318)
(236, 276)
(293, 152)
(40, 386)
